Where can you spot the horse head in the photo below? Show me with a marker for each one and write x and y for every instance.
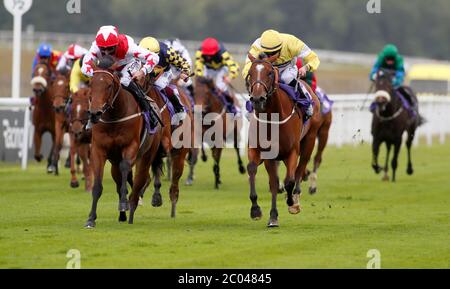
(79, 113)
(60, 92)
(262, 80)
(383, 88)
(41, 77)
(105, 87)
(204, 87)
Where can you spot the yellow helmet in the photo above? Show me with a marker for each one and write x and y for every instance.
(271, 41)
(150, 43)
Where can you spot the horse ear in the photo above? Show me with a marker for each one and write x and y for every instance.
(251, 57)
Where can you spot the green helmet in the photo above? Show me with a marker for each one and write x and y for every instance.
(390, 51)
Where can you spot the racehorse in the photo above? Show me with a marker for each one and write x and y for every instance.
(322, 139)
(176, 156)
(60, 92)
(119, 135)
(210, 103)
(43, 115)
(390, 120)
(80, 137)
(296, 137)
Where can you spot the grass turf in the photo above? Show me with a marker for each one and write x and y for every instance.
(41, 218)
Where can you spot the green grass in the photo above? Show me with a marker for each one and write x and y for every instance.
(41, 218)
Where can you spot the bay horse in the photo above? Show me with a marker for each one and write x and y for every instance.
(176, 155)
(210, 103)
(60, 93)
(43, 114)
(80, 137)
(119, 135)
(296, 137)
(390, 120)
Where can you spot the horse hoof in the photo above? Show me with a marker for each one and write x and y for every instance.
(242, 170)
(385, 179)
(281, 190)
(67, 163)
(38, 158)
(122, 217)
(51, 169)
(273, 224)
(123, 207)
(410, 171)
(312, 190)
(74, 184)
(204, 158)
(90, 225)
(157, 200)
(294, 209)
(141, 201)
(377, 169)
(255, 213)
(189, 182)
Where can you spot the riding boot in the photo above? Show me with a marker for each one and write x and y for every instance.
(174, 97)
(146, 108)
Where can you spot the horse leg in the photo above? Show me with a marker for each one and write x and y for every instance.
(409, 142)
(252, 168)
(240, 164)
(169, 167)
(217, 152)
(141, 182)
(117, 177)
(177, 170)
(386, 165)
(157, 172)
(394, 162)
(125, 168)
(289, 182)
(59, 137)
(87, 172)
(193, 158)
(322, 137)
(272, 170)
(73, 181)
(204, 156)
(375, 151)
(37, 145)
(98, 161)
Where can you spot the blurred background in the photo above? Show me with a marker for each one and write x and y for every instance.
(346, 37)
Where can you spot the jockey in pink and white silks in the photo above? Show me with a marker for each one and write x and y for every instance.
(132, 61)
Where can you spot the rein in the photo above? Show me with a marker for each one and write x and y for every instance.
(388, 118)
(106, 106)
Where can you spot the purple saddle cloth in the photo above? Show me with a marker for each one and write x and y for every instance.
(167, 103)
(405, 103)
(326, 104)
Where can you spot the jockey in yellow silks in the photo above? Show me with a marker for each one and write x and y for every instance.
(288, 48)
(77, 78)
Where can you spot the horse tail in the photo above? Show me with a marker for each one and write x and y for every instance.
(157, 164)
(421, 120)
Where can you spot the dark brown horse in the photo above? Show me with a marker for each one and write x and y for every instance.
(119, 135)
(80, 137)
(295, 138)
(176, 154)
(60, 93)
(43, 114)
(390, 120)
(211, 105)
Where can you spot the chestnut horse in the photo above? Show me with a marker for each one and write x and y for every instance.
(60, 91)
(43, 115)
(119, 135)
(390, 120)
(211, 104)
(176, 156)
(80, 137)
(296, 137)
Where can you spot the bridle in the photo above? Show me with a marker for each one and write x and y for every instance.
(116, 87)
(389, 89)
(270, 90)
(64, 96)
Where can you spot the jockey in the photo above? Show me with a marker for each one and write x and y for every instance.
(310, 77)
(213, 60)
(46, 53)
(73, 53)
(288, 48)
(129, 56)
(389, 58)
(77, 78)
(182, 50)
(169, 59)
